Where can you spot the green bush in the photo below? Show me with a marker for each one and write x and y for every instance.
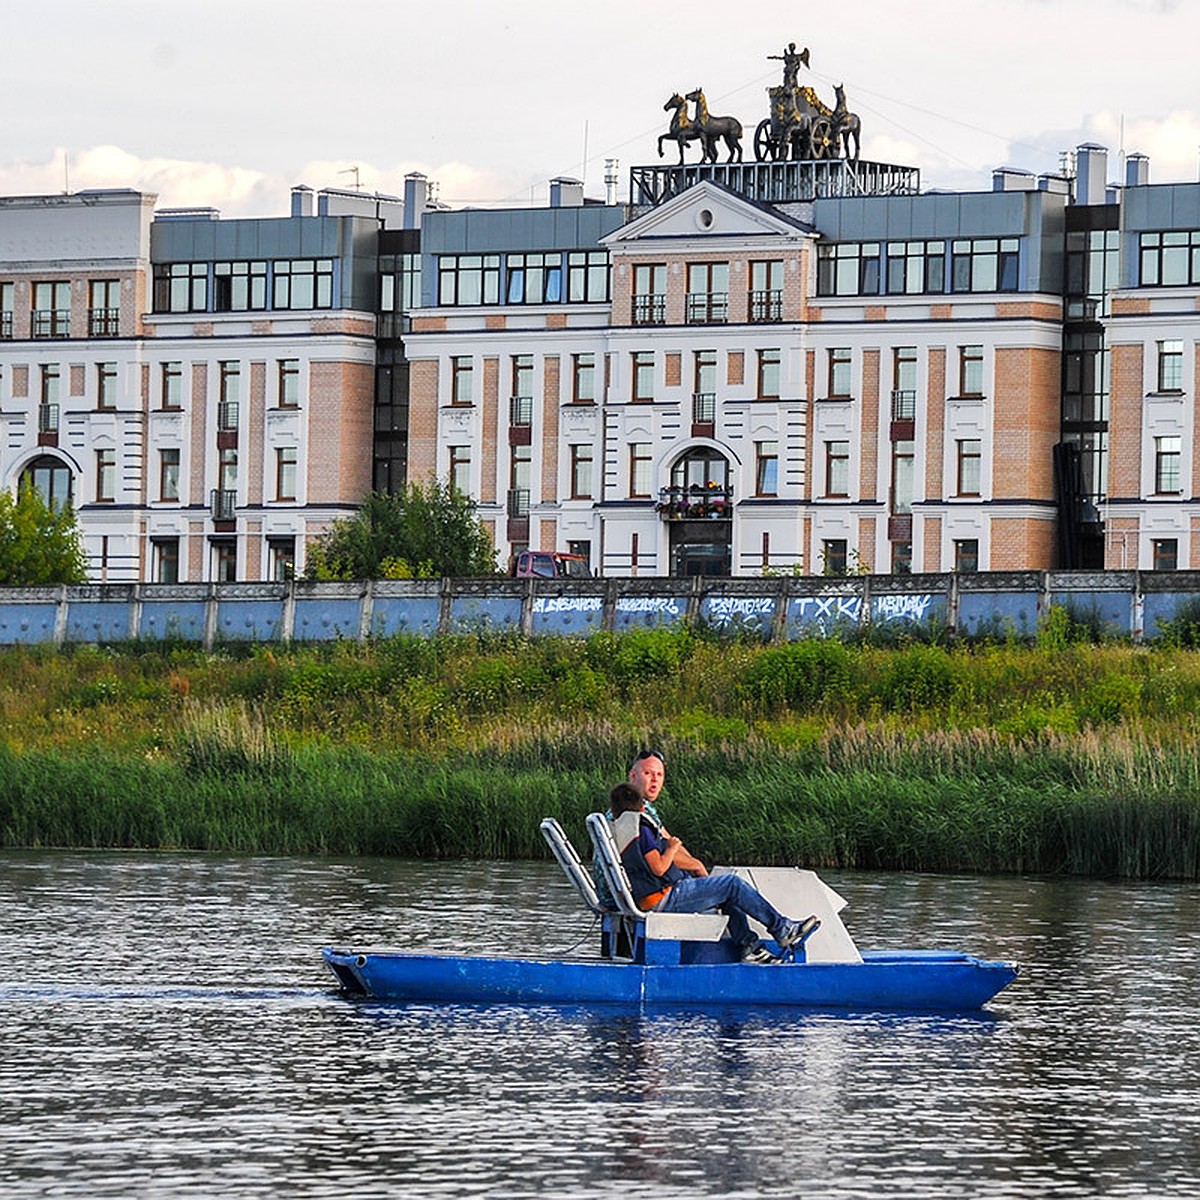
(803, 675)
(918, 678)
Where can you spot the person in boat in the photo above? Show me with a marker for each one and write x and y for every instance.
(646, 776)
(660, 884)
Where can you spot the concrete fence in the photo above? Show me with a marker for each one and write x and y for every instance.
(1128, 604)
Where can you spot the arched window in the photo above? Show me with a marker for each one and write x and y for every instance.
(52, 477)
(701, 468)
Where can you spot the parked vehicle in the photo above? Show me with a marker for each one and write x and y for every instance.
(549, 564)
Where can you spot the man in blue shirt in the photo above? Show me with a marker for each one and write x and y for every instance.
(661, 882)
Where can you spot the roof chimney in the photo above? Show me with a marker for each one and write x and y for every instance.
(566, 193)
(416, 196)
(1010, 179)
(611, 178)
(302, 201)
(1091, 174)
(1137, 170)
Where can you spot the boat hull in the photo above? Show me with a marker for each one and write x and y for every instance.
(913, 980)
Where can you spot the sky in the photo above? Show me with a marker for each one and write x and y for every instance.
(230, 103)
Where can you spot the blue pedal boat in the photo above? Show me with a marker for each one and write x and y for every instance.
(683, 959)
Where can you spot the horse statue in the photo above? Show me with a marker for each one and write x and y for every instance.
(845, 124)
(715, 128)
(683, 129)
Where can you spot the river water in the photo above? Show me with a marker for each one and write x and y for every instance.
(167, 1029)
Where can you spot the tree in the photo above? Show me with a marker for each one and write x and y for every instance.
(426, 531)
(38, 544)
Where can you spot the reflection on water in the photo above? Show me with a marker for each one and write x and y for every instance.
(168, 1030)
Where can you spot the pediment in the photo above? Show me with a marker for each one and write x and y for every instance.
(707, 210)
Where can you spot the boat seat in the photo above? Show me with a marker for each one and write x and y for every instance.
(686, 927)
(568, 858)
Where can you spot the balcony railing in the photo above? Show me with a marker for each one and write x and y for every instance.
(904, 404)
(6, 325)
(699, 502)
(707, 308)
(766, 306)
(704, 408)
(47, 418)
(518, 502)
(227, 415)
(650, 309)
(50, 322)
(222, 501)
(104, 322)
(520, 411)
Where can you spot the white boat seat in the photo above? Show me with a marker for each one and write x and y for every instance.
(684, 927)
(568, 858)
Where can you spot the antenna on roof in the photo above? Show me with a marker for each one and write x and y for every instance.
(353, 171)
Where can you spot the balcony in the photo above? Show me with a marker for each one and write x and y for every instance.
(222, 502)
(104, 322)
(904, 411)
(650, 309)
(50, 322)
(518, 502)
(766, 306)
(699, 502)
(520, 411)
(707, 308)
(47, 418)
(227, 416)
(6, 325)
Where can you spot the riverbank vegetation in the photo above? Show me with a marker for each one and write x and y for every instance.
(1053, 757)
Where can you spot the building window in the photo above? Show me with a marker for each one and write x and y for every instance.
(304, 283)
(181, 287)
(50, 381)
(848, 269)
(840, 366)
(1168, 465)
(766, 291)
(460, 469)
(286, 462)
(650, 294)
(289, 383)
(242, 287)
(902, 558)
(970, 370)
(583, 378)
(166, 560)
(915, 267)
(1170, 259)
(534, 278)
(227, 468)
(51, 316)
(984, 265)
(766, 468)
(106, 476)
(582, 547)
(966, 555)
(1170, 366)
(643, 376)
(106, 385)
(168, 475)
(769, 369)
(468, 279)
(581, 471)
(282, 552)
(704, 387)
(6, 310)
(520, 475)
(172, 385)
(521, 402)
(902, 477)
(970, 461)
(834, 556)
(708, 293)
(640, 466)
(1166, 554)
(837, 469)
(230, 376)
(52, 478)
(461, 375)
(588, 276)
(104, 308)
(904, 383)
(224, 551)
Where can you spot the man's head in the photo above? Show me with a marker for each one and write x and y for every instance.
(625, 798)
(648, 774)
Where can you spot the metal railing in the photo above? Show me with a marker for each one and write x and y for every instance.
(518, 502)
(47, 418)
(6, 324)
(50, 322)
(697, 502)
(520, 411)
(707, 308)
(766, 306)
(104, 322)
(904, 404)
(650, 309)
(704, 408)
(222, 502)
(227, 415)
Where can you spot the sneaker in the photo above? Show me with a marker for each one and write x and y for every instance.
(756, 952)
(798, 932)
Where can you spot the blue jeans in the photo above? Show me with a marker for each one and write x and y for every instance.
(733, 896)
